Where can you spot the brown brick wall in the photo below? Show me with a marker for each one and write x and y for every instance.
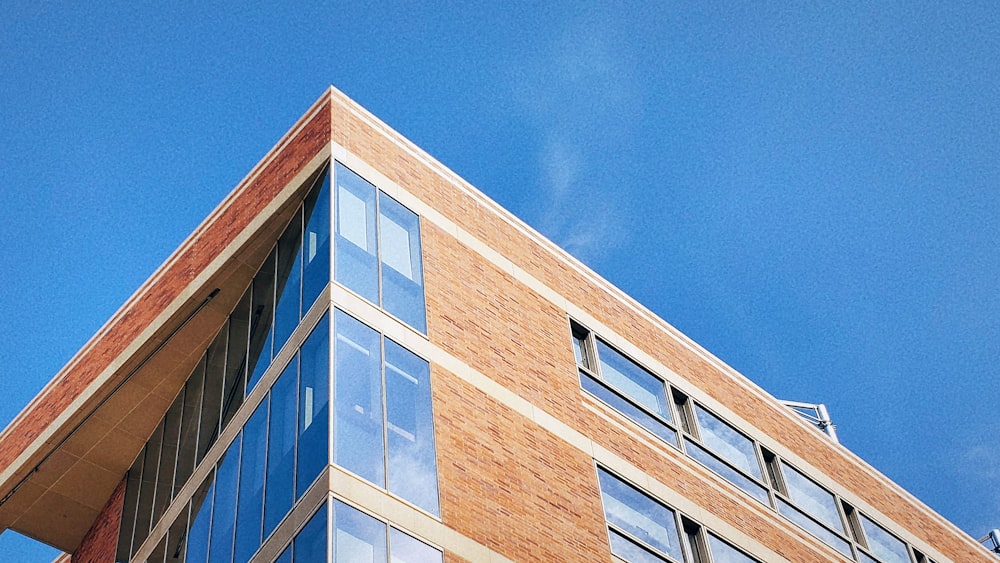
(521, 340)
(101, 542)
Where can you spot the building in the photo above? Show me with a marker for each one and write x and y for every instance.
(358, 355)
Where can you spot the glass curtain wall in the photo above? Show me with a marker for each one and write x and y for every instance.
(382, 413)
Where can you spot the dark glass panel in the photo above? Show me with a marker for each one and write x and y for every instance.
(316, 244)
(261, 322)
(157, 555)
(314, 406)
(626, 407)
(356, 254)
(310, 543)
(236, 358)
(289, 288)
(402, 271)
(193, 391)
(211, 404)
(358, 537)
(168, 457)
(147, 490)
(177, 538)
(224, 511)
(410, 428)
(129, 506)
(201, 522)
(278, 489)
(358, 441)
(404, 548)
(251, 495)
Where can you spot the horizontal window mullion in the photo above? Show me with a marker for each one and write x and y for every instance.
(762, 490)
(639, 543)
(655, 424)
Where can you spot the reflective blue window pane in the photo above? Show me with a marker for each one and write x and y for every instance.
(410, 428)
(289, 284)
(722, 552)
(358, 441)
(261, 322)
(224, 511)
(314, 411)
(402, 272)
(250, 505)
(310, 543)
(280, 448)
(811, 498)
(815, 528)
(735, 477)
(632, 512)
(633, 381)
(632, 551)
(286, 556)
(201, 521)
(404, 548)
(356, 261)
(726, 442)
(626, 407)
(358, 538)
(316, 243)
(886, 546)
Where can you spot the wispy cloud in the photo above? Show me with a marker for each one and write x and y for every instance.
(581, 93)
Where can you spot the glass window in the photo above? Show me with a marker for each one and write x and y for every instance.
(410, 427)
(356, 263)
(177, 538)
(358, 538)
(211, 403)
(144, 511)
(224, 511)
(250, 505)
(189, 426)
(201, 522)
(358, 442)
(310, 543)
(811, 498)
(638, 525)
(280, 476)
(722, 552)
(288, 309)
(168, 457)
(726, 442)
(711, 461)
(402, 278)
(404, 548)
(636, 383)
(236, 358)
(286, 556)
(884, 545)
(316, 244)
(314, 411)
(261, 322)
(621, 404)
(814, 527)
(129, 506)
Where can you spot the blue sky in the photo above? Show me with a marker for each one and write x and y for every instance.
(809, 192)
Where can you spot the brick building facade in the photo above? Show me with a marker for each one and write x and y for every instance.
(359, 356)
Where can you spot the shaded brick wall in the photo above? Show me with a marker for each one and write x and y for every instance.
(101, 542)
